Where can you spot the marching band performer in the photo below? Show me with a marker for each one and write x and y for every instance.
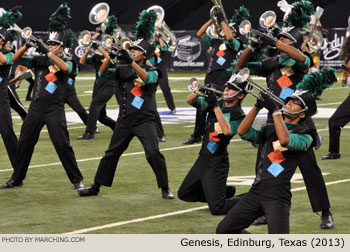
(206, 181)
(6, 126)
(47, 106)
(223, 53)
(135, 94)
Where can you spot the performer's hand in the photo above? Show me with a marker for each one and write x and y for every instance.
(269, 103)
(94, 46)
(219, 16)
(255, 42)
(158, 35)
(211, 100)
(41, 47)
(267, 40)
(258, 104)
(124, 55)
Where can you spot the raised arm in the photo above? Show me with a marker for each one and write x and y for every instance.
(200, 33)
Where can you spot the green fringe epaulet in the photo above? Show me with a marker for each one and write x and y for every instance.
(11, 17)
(69, 38)
(145, 25)
(59, 19)
(111, 24)
(317, 82)
(240, 15)
(300, 14)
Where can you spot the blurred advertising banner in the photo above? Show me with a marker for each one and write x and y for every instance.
(330, 51)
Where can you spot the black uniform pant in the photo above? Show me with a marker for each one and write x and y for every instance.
(55, 120)
(270, 197)
(337, 121)
(30, 87)
(72, 100)
(6, 130)
(123, 133)
(15, 103)
(312, 175)
(206, 182)
(103, 91)
(164, 86)
(218, 77)
(158, 121)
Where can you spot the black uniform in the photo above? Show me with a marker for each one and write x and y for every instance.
(46, 108)
(160, 62)
(136, 118)
(222, 56)
(6, 127)
(270, 193)
(282, 75)
(102, 92)
(70, 96)
(206, 181)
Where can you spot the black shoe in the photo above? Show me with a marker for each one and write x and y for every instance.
(11, 183)
(91, 191)
(327, 221)
(79, 185)
(173, 111)
(28, 98)
(162, 139)
(332, 155)
(260, 221)
(167, 194)
(86, 136)
(97, 130)
(193, 140)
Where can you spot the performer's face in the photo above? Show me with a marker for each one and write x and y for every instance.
(55, 48)
(294, 107)
(286, 41)
(230, 94)
(137, 55)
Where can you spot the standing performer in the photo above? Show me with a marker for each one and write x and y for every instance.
(283, 72)
(342, 115)
(6, 126)
(136, 89)
(104, 89)
(206, 181)
(47, 106)
(224, 51)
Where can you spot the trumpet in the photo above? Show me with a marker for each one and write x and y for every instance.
(266, 21)
(215, 30)
(123, 44)
(27, 34)
(194, 86)
(244, 75)
(163, 29)
(86, 40)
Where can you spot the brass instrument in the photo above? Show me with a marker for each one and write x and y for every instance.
(194, 86)
(215, 30)
(315, 38)
(27, 34)
(267, 20)
(244, 75)
(99, 15)
(163, 29)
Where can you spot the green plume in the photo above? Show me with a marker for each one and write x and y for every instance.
(318, 81)
(240, 15)
(145, 25)
(11, 17)
(69, 38)
(59, 19)
(111, 24)
(299, 15)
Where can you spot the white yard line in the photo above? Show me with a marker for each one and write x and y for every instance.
(116, 224)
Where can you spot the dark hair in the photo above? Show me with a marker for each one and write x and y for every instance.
(345, 50)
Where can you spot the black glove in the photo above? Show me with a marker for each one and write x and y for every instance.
(30, 43)
(98, 29)
(94, 46)
(219, 16)
(255, 42)
(269, 103)
(267, 40)
(41, 47)
(211, 100)
(259, 104)
(124, 56)
(158, 35)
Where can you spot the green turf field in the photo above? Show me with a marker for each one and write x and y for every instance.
(47, 202)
